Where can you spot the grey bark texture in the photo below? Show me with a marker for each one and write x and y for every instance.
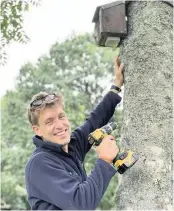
(147, 53)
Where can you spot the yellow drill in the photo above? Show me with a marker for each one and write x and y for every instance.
(125, 159)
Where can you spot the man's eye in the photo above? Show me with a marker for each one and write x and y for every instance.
(62, 116)
(49, 122)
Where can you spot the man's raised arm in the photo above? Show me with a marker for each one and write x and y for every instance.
(103, 112)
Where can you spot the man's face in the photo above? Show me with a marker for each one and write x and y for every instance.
(53, 125)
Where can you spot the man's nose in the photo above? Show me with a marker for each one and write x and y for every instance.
(59, 124)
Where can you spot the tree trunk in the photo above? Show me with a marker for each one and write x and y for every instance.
(147, 123)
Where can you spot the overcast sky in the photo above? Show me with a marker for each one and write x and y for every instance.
(53, 20)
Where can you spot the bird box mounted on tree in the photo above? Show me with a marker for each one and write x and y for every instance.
(110, 23)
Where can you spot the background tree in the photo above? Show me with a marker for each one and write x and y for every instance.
(11, 20)
(147, 122)
(82, 72)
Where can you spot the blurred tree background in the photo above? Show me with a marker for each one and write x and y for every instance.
(11, 20)
(80, 70)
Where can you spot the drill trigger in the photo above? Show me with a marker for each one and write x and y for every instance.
(98, 142)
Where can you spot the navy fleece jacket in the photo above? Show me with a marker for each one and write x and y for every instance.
(57, 180)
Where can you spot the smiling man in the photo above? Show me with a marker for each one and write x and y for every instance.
(52, 123)
(55, 176)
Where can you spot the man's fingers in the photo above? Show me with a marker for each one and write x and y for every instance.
(119, 72)
(116, 57)
(110, 137)
(117, 62)
(121, 68)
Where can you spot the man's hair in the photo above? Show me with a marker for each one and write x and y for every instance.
(33, 112)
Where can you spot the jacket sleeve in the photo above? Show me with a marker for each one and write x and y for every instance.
(99, 117)
(55, 185)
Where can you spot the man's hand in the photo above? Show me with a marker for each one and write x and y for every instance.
(107, 150)
(119, 68)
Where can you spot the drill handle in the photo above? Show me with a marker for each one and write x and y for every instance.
(94, 141)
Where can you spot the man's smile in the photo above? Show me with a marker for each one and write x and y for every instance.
(61, 133)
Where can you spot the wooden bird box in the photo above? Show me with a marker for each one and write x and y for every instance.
(110, 24)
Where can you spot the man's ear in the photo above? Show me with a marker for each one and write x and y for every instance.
(36, 130)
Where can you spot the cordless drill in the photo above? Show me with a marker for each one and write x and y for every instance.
(125, 159)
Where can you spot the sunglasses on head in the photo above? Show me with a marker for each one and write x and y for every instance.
(38, 102)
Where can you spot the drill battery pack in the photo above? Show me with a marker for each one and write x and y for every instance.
(124, 161)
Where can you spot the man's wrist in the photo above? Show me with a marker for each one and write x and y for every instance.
(118, 83)
(105, 159)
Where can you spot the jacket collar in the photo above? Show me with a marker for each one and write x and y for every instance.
(38, 142)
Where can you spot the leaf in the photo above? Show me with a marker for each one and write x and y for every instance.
(11, 19)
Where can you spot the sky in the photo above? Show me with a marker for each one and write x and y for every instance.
(53, 20)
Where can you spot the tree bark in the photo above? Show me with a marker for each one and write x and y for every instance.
(147, 123)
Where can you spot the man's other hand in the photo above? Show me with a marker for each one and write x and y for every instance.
(108, 149)
(119, 69)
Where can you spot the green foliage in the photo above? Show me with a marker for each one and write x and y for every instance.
(11, 19)
(81, 71)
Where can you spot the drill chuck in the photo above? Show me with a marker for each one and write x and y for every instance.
(109, 128)
(97, 136)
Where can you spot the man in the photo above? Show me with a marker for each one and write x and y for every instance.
(55, 176)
